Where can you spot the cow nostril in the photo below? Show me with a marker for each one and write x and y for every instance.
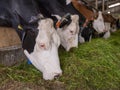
(56, 76)
(71, 31)
(42, 45)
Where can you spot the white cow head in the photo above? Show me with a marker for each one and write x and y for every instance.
(46, 35)
(69, 33)
(98, 24)
(45, 55)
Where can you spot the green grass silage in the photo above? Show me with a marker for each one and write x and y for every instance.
(93, 65)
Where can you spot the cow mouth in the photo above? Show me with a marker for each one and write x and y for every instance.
(57, 75)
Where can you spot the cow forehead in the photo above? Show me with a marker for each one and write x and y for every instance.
(72, 26)
(75, 18)
(46, 24)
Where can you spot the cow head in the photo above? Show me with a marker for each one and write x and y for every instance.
(69, 33)
(45, 55)
(46, 34)
(98, 24)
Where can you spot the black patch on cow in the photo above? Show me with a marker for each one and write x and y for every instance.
(66, 20)
(19, 12)
(87, 31)
(5, 17)
(29, 40)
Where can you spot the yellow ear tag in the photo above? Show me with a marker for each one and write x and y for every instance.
(19, 27)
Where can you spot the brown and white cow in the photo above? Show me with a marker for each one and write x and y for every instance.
(98, 21)
(87, 28)
(110, 22)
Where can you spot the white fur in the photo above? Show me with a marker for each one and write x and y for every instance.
(81, 39)
(107, 29)
(98, 24)
(106, 35)
(107, 26)
(113, 28)
(90, 38)
(46, 58)
(101, 26)
(68, 2)
(69, 34)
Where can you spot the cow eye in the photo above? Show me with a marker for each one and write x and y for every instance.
(101, 20)
(71, 31)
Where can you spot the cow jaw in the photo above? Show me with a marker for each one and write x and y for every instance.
(46, 61)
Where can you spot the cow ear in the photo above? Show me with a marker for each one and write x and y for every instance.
(57, 16)
(51, 25)
(36, 18)
(75, 18)
(56, 39)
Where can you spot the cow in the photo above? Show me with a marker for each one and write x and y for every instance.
(86, 28)
(102, 28)
(13, 15)
(95, 16)
(45, 55)
(69, 29)
(40, 41)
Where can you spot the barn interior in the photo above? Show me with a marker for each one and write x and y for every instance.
(92, 65)
(106, 6)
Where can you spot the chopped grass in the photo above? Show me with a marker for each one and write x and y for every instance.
(93, 65)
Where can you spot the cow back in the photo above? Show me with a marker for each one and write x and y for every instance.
(89, 14)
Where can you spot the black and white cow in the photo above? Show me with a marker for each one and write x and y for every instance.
(20, 13)
(41, 41)
(45, 55)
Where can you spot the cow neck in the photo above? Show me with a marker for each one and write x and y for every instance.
(108, 18)
(87, 21)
